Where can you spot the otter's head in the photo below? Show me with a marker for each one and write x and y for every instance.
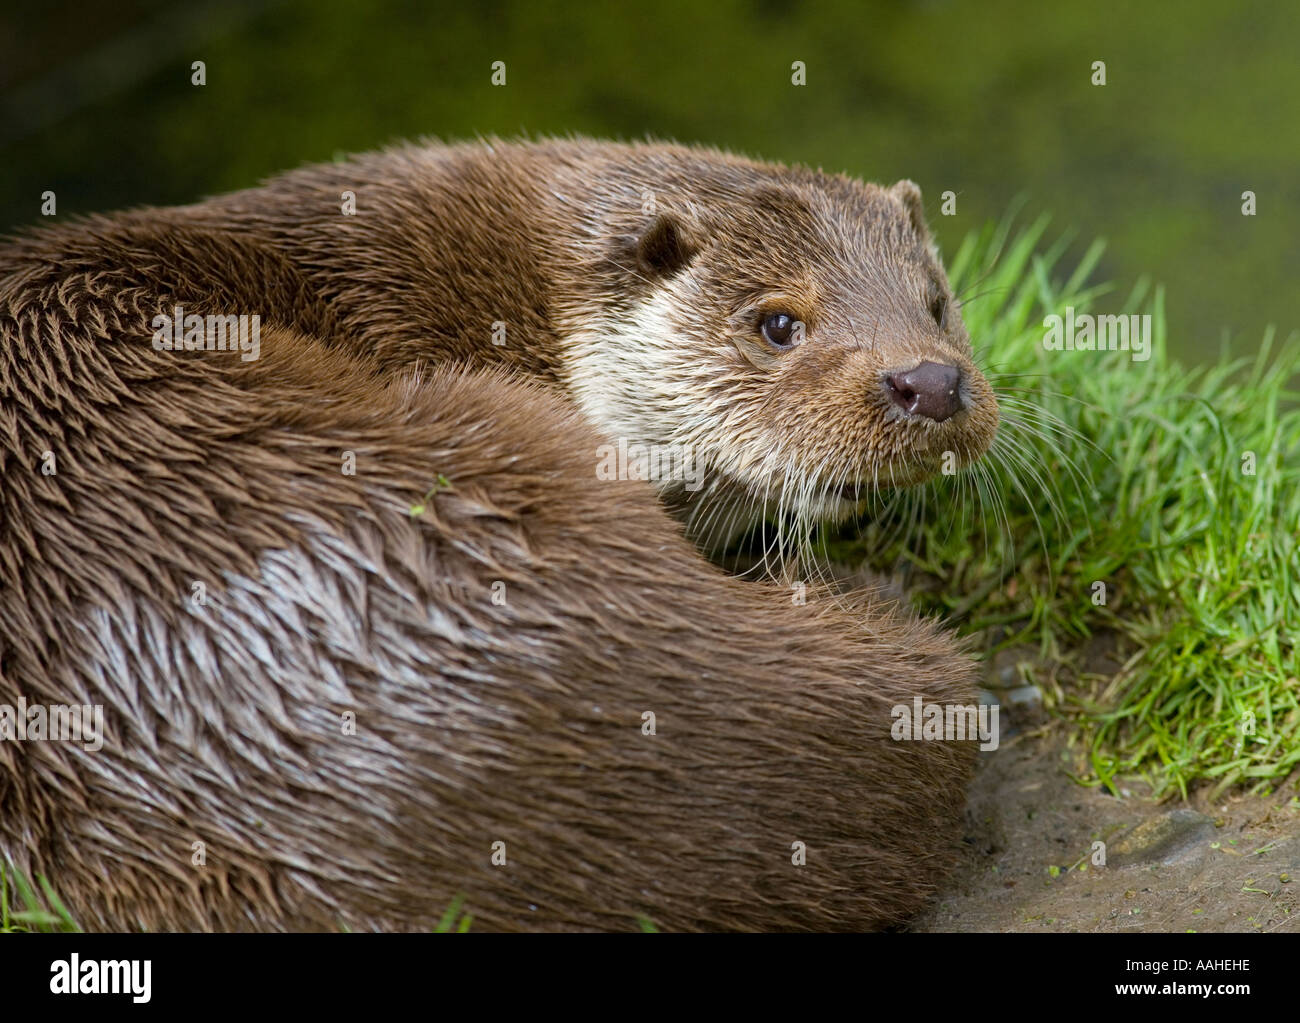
(794, 331)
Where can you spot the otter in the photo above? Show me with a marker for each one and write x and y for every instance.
(370, 631)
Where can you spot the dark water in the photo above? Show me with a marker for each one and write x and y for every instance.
(988, 100)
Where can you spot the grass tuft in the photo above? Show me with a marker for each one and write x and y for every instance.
(33, 913)
(1135, 475)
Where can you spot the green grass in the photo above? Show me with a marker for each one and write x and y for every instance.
(22, 910)
(1129, 473)
(449, 922)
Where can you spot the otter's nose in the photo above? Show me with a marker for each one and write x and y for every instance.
(930, 390)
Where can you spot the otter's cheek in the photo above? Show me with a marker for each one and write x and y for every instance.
(985, 416)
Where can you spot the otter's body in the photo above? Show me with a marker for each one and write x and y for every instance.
(368, 698)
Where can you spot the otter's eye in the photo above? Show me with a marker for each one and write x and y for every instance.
(939, 310)
(779, 330)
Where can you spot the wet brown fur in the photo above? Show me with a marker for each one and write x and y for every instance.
(476, 722)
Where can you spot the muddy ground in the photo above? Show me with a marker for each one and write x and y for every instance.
(1028, 859)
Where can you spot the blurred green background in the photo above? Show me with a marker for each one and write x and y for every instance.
(991, 100)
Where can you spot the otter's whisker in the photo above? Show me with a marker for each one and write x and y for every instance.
(1082, 483)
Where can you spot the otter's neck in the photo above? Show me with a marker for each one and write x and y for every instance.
(412, 258)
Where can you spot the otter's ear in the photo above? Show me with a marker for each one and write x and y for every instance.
(667, 245)
(909, 194)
